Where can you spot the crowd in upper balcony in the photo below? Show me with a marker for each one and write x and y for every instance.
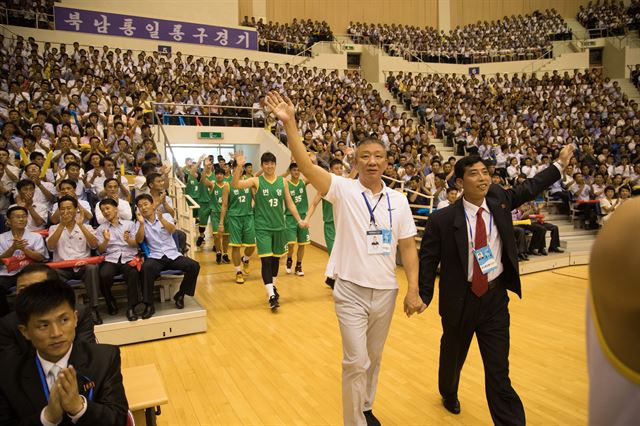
(289, 38)
(609, 17)
(511, 38)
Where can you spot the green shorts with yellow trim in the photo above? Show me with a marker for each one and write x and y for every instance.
(215, 221)
(204, 212)
(295, 234)
(241, 229)
(329, 235)
(271, 243)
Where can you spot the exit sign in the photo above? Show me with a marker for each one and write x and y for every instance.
(348, 47)
(210, 135)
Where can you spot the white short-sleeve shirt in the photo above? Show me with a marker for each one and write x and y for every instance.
(71, 245)
(349, 258)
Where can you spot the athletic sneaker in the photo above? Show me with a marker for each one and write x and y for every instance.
(289, 264)
(239, 278)
(218, 258)
(225, 258)
(275, 293)
(273, 303)
(245, 267)
(299, 271)
(199, 241)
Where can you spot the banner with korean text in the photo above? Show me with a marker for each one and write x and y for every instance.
(89, 21)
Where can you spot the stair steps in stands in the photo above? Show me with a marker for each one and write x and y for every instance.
(628, 89)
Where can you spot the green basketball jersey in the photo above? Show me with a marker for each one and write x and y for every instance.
(269, 210)
(216, 197)
(204, 197)
(327, 211)
(192, 185)
(228, 179)
(299, 196)
(239, 202)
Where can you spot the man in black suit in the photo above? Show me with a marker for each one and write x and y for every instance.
(59, 381)
(473, 298)
(10, 336)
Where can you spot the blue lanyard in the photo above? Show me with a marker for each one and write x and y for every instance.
(372, 218)
(471, 230)
(45, 386)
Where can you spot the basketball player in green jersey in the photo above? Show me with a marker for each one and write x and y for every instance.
(236, 219)
(192, 184)
(337, 168)
(207, 177)
(220, 238)
(295, 234)
(272, 194)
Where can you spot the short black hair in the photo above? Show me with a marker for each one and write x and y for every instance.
(108, 180)
(43, 297)
(147, 168)
(51, 273)
(451, 189)
(35, 154)
(107, 159)
(141, 197)
(268, 157)
(32, 164)
(68, 182)
(23, 183)
(151, 177)
(108, 201)
(293, 166)
(217, 170)
(68, 198)
(16, 208)
(334, 162)
(464, 163)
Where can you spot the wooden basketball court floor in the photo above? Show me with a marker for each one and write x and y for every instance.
(256, 367)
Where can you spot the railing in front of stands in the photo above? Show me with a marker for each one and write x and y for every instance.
(420, 211)
(172, 113)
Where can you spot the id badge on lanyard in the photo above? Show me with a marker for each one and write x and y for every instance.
(484, 256)
(378, 238)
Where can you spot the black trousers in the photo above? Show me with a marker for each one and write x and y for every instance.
(538, 233)
(151, 269)
(555, 234)
(488, 318)
(89, 276)
(131, 275)
(521, 239)
(7, 282)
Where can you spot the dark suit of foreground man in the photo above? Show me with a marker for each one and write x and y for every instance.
(59, 381)
(472, 301)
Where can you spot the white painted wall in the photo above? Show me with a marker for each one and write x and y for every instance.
(218, 12)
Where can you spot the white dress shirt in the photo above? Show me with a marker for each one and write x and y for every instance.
(71, 245)
(493, 238)
(46, 368)
(124, 212)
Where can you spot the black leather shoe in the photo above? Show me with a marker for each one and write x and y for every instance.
(179, 299)
(95, 316)
(149, 310)
(371, 419)
(533, 252)
(112, 306)
(556, 250)
(452, 405)
(131, 315)
(543, 252)
(330, 282)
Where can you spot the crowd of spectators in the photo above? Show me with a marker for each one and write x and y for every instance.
(72, 129)
(609, 17)
(28, 13)
(511, 38)
(289, 38)
(519, 123)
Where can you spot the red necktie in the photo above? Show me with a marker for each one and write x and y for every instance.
(479, 281)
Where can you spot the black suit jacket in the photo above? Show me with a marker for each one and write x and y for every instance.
(22, 397)
(11, 338)
(446, 242)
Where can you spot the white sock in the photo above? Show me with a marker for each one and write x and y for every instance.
(269, 288)
(245, 259)
(238, 269)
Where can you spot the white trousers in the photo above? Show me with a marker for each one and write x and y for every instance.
(364, 315)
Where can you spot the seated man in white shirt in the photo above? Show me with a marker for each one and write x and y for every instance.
(68, 187)
(452, 196)
(38, 213)
(73, 172)
(109, 172)
(112, 190)
(20, 244)
(116, 240)
(45, 192)
(72, 240)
